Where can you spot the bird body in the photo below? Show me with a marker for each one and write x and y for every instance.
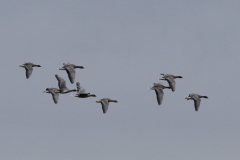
(170, 79)
(70, 70)
(29, 68)
(62, 85)
(105, 103)
(81, 93)
(196, 98)
(54, 92)
(158, 87)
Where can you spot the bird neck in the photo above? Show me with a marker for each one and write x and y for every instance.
(177, 76)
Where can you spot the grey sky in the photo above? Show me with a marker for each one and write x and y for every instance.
(124, 46)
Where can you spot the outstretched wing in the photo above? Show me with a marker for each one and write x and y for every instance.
(71, 73)
(80, 90)
(159, 94)
(171, 83)
(61, 82)
(55, 96)
(197, 101)
(104, 103)
(29, 70)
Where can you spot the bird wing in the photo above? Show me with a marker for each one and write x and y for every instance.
(80, 90)
(61, 82)
(71, 73)
(104, 103)
(29, 70)
(197, 101)
(171, 83)
(55, 96)
(159, 94)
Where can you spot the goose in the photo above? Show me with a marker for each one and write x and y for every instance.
(158, 87)
(54, 92)
(29, 68)
(62, 86)
(70, 70)
(196, 98)
(81, 92)
(170, 79)
(105, 103)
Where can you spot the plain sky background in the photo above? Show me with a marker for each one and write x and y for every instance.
(124, 46)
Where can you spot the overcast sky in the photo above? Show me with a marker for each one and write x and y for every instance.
(124, 46)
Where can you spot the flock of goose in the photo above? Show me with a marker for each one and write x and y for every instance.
(158, 87)
(81, 93)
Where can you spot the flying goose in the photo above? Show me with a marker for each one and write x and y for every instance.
(28, 66)
(62, 85)
(158, 87)
(170, 79)
(81, 92)
(70, 70)
(196, 98)
(105, 103)
(54, 92)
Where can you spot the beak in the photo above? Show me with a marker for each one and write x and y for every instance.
(61, 68)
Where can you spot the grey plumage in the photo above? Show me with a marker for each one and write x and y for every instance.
(70, 70)
(158, 87)
(105, 102)
(29, 68)
(81, 93)
(54, 92)
(62, 85)
(170, 79)
(196, 98)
